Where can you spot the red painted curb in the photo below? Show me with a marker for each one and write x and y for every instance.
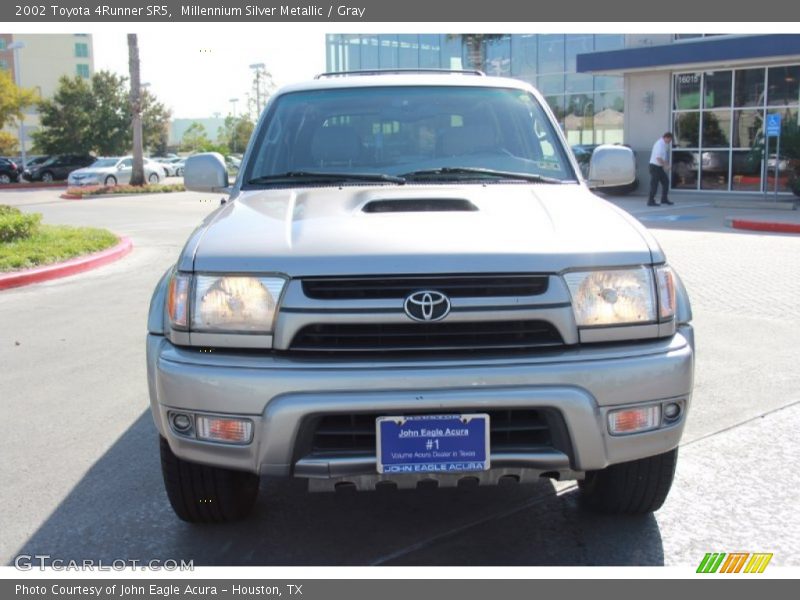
(766, 226)
(66, 268)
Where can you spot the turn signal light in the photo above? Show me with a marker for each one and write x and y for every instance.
(225, 430)
(634, 420)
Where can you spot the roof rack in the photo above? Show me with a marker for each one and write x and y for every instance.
(400, 72)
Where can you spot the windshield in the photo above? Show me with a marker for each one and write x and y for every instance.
(430, 133)
(101, 163)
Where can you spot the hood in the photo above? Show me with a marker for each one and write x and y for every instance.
(92, 171)
(486, 228)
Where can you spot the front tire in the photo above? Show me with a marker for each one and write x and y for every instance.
(110, 181)
(4, 179)
(47, 177)
(204, 494)
(631, 488)
(153, 178)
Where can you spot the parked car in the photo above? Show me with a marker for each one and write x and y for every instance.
(412, 283)
(57, 168)
(111, 171)
(9, 171)
(173, 167)
(583, 154)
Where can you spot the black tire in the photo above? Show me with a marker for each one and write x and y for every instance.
(631, 488)
(203, 494)
(47, 177)
(5, 179)
(153, 178)
(110, 181)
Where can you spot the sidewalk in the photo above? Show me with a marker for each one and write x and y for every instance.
(694, 210)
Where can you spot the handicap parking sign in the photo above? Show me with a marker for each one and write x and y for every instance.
(774, 125)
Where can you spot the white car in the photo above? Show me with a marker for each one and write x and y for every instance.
(112, 171)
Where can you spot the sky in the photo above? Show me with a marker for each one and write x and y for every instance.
(196, 75)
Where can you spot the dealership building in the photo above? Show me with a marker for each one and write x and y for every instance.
(715, 92)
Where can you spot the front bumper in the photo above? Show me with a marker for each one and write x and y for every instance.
(280, 394)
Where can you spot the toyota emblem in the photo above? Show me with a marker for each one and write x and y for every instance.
(427, 306)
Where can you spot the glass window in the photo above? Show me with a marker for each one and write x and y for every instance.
(551, 53)
(608, 118)
(498, 56)
(579, 83)
(3, 64)
(81, 50)
(369, 52)
(82, 70)
(604, 83)
(3, 44)
(451, 52)
(717, 89)
(749, 87)
(747, 128)
(389, 55)
(747, 170)
(788, 163)
(550, 85)
(394, 130)
(714, 170)
(577, 44)
(686, 129)
(605, 42)
(429, 51)
(716, 129)
(523, 56)
(687, 91)
(685, 170)
(783, 85)
(409, 51)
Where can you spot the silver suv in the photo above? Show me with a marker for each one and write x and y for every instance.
(410, 282)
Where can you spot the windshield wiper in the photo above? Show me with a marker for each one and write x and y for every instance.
(432, 173)
(317, 176)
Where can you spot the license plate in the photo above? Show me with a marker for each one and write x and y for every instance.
(433, 444)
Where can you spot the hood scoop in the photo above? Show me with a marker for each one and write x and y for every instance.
(419, 205)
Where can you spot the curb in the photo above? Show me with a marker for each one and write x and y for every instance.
(768, 226)
(68, 267)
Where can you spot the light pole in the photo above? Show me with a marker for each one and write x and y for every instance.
(233, 101)
(258, 68)
(16, 47)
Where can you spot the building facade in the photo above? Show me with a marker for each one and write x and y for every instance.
(589, 107)
(43, 60)
(716, 94)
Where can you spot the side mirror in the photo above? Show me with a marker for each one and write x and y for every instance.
(611, 166)
(206, 172)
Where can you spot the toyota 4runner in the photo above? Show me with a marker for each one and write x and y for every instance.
(412, 281)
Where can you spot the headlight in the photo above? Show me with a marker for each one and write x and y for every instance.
(613, 297)
(235, 303)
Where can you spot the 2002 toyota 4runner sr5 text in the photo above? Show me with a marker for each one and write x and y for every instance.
(412, 281)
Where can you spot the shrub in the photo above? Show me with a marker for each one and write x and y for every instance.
(15, 225)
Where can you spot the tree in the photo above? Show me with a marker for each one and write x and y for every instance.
(235, 134)
(94, 116)
(137, 174)
(67, 120)
(110, 135)
(13, 100)
(195, 138)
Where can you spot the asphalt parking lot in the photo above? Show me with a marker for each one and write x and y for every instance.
(80, 467)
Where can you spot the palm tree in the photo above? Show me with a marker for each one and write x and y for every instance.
(137, 175)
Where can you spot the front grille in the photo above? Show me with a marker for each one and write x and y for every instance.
(454, 286)
(510, 430)
(424, 337)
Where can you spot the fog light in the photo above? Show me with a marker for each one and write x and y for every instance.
(672, 411)
(230, 431)
(181, 422)
(634, 420)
